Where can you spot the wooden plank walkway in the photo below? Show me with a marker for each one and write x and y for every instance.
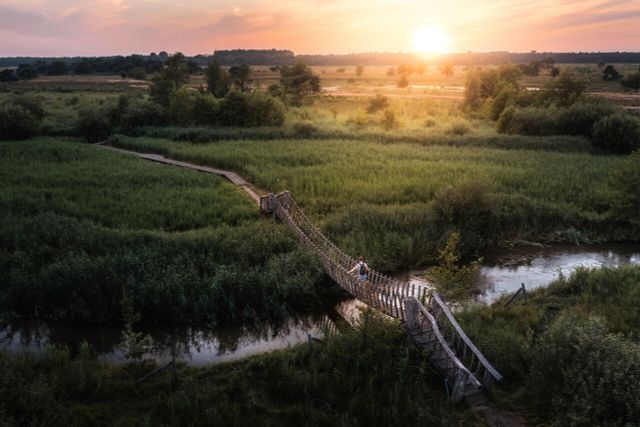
(428, 321)
(232, 177)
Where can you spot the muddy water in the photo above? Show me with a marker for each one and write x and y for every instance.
(504, 272)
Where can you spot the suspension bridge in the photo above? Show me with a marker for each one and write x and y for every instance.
(428, 320)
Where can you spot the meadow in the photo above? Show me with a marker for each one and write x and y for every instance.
(397, 202)
(80, 224)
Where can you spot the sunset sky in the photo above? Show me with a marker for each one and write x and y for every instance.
(104, 27)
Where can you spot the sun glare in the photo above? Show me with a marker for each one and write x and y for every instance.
(430, 39)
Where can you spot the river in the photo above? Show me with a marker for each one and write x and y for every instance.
(502, 272)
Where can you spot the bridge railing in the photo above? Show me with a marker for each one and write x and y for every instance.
(464, 348)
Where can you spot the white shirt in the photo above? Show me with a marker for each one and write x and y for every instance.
(357, 267)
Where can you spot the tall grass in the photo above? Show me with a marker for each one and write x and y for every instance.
(377, 199)
(78, 223)
(570, 355)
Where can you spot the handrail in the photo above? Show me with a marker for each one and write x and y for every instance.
(436, 298)
(443, 343)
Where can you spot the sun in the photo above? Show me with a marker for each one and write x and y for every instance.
(431, 39)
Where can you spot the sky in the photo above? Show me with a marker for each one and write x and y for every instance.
(107, 27)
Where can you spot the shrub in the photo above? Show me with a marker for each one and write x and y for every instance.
(579, 118)
(584, 375)
(429, 122)
(205, 109)
(16, 122)
(618, 133)
(388, 120)
(467, 208)
(32, 104)
(377, 103)
(305, 129)
(140, 113)
(263, 110)
(458, 127)
(528, 121)
(93, 124)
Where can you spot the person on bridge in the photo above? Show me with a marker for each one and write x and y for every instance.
(362, 269)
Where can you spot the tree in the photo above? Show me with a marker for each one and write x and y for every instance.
(565, 89)
(610, 73)
(93, 124)
(239, 75)
(447, 69)
(8, 75)
(181, 106)
(298, 81)
(632, 81)
(137, 73)
(359, 70)
(170, 78)
(217, 80)
(58, 68)
(555, 71)
(26, 72)
(472, 93)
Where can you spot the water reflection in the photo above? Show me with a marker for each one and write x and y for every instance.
(504, 272)
(195, 346)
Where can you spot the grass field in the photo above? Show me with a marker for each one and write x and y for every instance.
(378, 199)
(79, 224)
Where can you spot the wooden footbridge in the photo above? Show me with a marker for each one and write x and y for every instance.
(429, 322)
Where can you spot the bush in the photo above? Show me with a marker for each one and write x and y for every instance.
(205, 109)
(16, 122)
(528, 121)
(458, 127)
(377, 103)
(466, 208)
(584, 375)
(388, 120)
(93, 124)
(579, 118)
(140, 113)
(618, 133)
(263, 110)
(305, 129)
(32, 104)
(250, 109)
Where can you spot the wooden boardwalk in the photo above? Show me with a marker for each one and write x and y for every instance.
(428, 320)
(232, 177)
